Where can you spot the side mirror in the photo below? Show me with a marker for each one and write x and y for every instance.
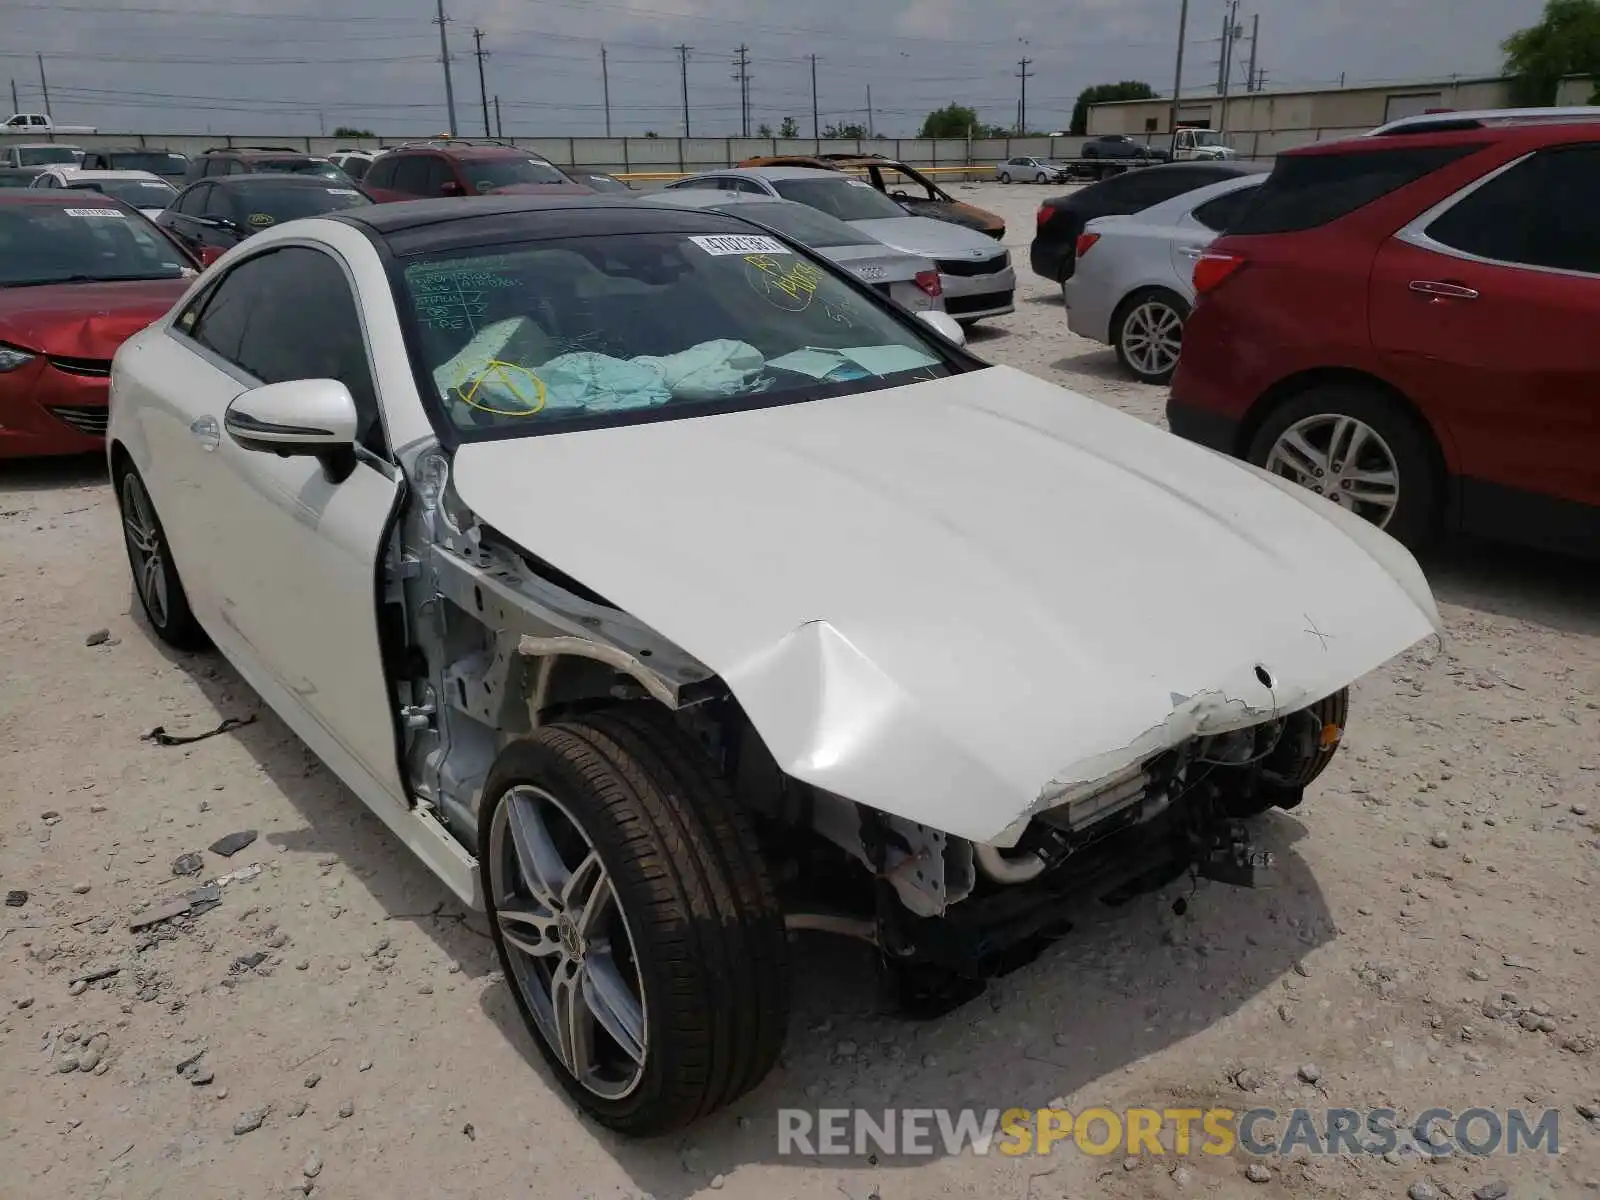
(303, 416)
(222, 223)
(449, 188)
(944, 325)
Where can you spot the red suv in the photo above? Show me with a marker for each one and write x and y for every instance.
(449, 168)
(1409, 323)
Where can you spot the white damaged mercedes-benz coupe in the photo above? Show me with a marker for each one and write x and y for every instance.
(667, 590)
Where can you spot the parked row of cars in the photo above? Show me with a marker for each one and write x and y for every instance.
(1399, 321)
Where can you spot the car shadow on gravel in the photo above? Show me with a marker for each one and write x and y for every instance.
(1126, 983)
(1511, 581)
(1097, 363)
(53, 474)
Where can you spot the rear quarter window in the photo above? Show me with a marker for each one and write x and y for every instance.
(1306, 191)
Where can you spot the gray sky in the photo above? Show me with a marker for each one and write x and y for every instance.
(253, 67)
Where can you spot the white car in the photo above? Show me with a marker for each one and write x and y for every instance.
(354, 163)
(1132, 287)
(1029, 169)
(147, 192)
(663, 588)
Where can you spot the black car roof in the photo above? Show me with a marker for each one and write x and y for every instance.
(410, 226)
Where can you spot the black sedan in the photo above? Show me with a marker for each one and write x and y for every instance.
(214, 215)
(1053, 255)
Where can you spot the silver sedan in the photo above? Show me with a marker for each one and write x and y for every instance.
(1132, 287)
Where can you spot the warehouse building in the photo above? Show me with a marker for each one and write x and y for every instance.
(1259, 124)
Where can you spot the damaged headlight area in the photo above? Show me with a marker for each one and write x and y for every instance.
(948, 913)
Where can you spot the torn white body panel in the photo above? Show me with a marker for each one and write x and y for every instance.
(956, 600)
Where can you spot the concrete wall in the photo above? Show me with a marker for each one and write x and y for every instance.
(629, 155)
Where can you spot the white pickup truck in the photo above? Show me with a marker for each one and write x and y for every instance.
(36, 123)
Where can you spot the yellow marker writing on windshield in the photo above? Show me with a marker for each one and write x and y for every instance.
(503, 371)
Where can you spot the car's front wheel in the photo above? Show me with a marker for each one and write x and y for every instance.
(155, 576)
(1041, 177)
(634, 919)
(1005, 177)
(1360, 449)
(1148, 334)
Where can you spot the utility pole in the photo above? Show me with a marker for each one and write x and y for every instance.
(815, 127)
(483, 90)
(683, 65)
(44, 86)
(605, 87)
(869, 111)
(1230, 39)
(743, 63)
(15, 107)
(444, 57)
(499, 129)
(1177, 82)
(1255, 36)
(1022, 104)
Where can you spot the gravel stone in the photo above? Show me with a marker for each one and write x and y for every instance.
(1310, 1073)
(1422, 1190)
(1258, 1173)
(347, 1109)
(312, 1167)
(1498, 1190)
(1440, 840)
(249, 1122)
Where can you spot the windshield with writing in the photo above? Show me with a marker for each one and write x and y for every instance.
(45, 244)
(594, 331)
(846, 199)
(805, 225)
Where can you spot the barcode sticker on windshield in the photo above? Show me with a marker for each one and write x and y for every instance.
(95, 212)
(858, 183)
(736, 243)
(343, 192)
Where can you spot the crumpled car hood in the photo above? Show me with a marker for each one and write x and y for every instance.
(84, 320)
(956, 599)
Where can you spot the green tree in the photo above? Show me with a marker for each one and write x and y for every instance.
(348, 131)
(851, 129)
(952, 121)
(789, 129)
(764, 130)
(1128, 89)
(1566, 41)
(651, 133)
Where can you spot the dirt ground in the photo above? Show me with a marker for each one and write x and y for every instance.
(1430, 936)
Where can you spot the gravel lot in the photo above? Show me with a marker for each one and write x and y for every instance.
(1430, 939)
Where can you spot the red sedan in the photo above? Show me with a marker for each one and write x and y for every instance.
(79, 275)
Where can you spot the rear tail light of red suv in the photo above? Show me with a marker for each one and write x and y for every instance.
(1214, 268)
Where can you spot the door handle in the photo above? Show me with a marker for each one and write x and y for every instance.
(1443, 291)
(204, 430)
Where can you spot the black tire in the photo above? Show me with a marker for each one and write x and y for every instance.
(1005, 176)
(1142, 301)
(706, 934)
(1415, 518)
(165, 604)
(1040, 178)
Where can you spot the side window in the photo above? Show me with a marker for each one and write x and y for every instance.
(356, 168)
(411, 175)
(381, 175)
(1220, 213)
(1540, 213)
(219, 203)
(1306, 191)
(290, 314)
(215, 166)
(439, 174)
(193, 202)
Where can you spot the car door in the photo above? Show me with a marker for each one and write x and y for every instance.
(411, 175)
(293, 555)
(1486, 308)
(180, 219)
